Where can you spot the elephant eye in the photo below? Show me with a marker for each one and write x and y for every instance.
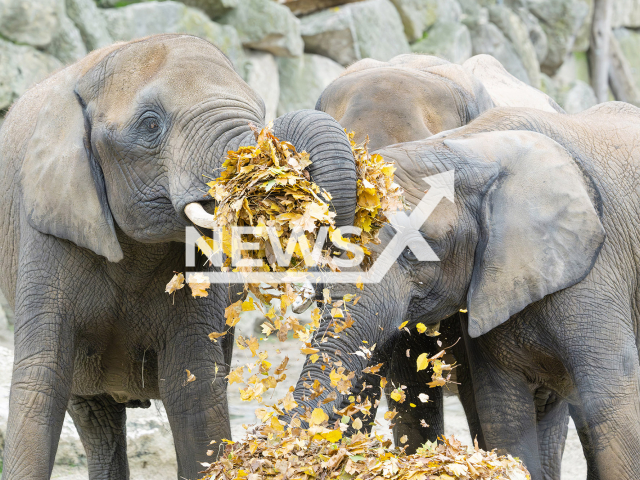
(151, 124)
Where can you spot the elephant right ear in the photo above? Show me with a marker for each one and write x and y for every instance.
(63, 191)
(539, 229)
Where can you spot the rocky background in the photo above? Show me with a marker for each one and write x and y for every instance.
(289, 51)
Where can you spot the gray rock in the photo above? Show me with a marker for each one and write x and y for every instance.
(359, 30)
(262, 75)
(518, 33)
(578, 97)
(488, 39)
(90, 22)
(67, 45)
(583, 37)
(548, 86)
(21, 67)
(303, 79)
(143, 19)
(575, 67)
(536, 33)
(30, 22)
(629, 42)
(418, 15)
(213, 8)
(626, 13)
(448, 40)
(561, 20)
(266, 25)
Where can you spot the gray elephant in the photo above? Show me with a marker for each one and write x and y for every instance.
(103, 165)
(540, 248)
(410, 98)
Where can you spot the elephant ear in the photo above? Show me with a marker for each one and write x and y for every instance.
(539, 229)
(63, 191)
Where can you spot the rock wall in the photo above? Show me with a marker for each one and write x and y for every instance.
(289, 50)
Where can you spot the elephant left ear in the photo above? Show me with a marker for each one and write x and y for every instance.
(539, 229)
(63, 190)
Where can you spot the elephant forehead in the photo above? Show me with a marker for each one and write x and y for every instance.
(179, 70)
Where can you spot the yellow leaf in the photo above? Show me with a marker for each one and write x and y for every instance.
(253, 345)
(199, 284)
(176, 283)
(288, 402)
(314, 358)
(247, 305)
(333, 436)
(190, 376)
(359, 283)
(403, 439)
(309, 350)
(318, 417)
(276, 425)
(236, 376)
(423, 361)
(421, 327)
(213, 336)
(402, 325)
(357, 424)
(383, 382)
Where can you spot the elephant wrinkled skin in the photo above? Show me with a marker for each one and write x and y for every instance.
(541, 247)
(99, 162)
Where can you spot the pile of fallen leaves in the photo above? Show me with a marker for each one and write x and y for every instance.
(317, 452)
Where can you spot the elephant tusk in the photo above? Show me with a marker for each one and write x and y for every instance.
(199, 216)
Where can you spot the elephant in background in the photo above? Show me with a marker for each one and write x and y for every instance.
(541, 247)
(412, 97)
(103, 167)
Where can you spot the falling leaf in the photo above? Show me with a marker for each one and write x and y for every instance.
(398, 395)
(403, 439)
(213, 336)
(236, 376)
(402, 325)
(288, 402)
(357, 424)
(318, 417)
(421, 327)
(176, 283)
(190, 376)
(423, 397)
(247, 305)
(423, 361)
(314, 358)
(333, 436)
(373, 368)
(199, 284)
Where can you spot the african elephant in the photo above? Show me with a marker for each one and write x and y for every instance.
(410, 98)
(540, 246)
(413, 96)
(103, 166)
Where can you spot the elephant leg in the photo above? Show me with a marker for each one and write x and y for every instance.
(585, 439)
(553, 422)
(102, 425)
(40, 391)
(452, 330)
(610, 401)
(197, 410)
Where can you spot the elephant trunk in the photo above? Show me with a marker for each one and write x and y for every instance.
(332, 168)
(376, 317)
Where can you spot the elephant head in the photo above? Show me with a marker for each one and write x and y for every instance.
(411, 97)
(524, 224)
(123, 138)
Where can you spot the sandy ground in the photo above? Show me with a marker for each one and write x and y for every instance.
(151, 446)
